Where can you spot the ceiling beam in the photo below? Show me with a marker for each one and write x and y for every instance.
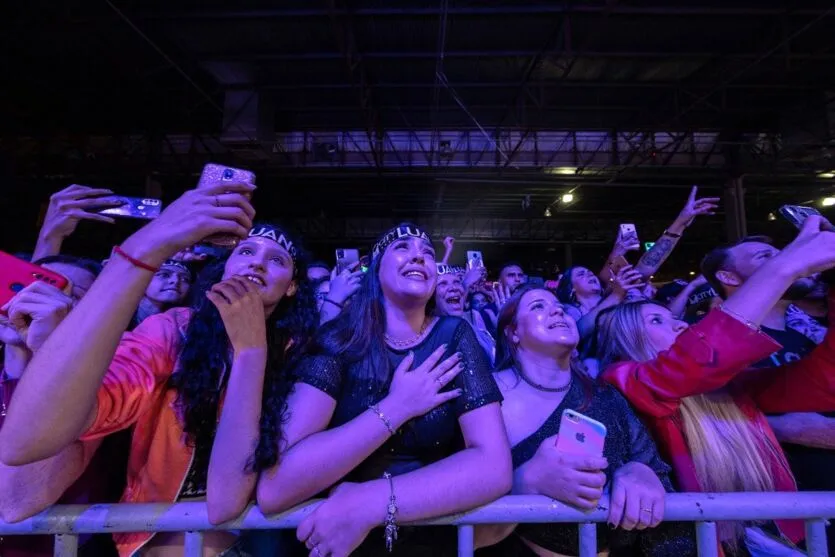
(539, 9)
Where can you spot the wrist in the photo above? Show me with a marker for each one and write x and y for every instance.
(679, 226)
(148, 251)
(250, 355)
(375, 502)
(394, 411)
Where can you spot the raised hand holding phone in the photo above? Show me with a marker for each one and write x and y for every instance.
(66, 209)
(217, 209)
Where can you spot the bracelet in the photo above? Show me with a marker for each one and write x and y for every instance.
(671, 234)
(133, 261)
(337, 304)
(383, 418)
(750, 324)
(391, 511)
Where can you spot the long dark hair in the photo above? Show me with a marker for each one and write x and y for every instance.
(358, 334)
(506, 354)
(205, 356)
(565, 289)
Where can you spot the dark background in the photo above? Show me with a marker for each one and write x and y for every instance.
(356, 115)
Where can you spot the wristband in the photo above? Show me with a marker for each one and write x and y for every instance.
(337, 304)
(671, 234)
(133, 261)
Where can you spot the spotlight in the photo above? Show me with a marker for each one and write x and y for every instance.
(567, 198)
(692, 274)
(772, 216)
(826, 175)
(547, 211)
(828, 201)
(563, 170)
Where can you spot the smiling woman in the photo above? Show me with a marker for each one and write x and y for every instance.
(540, 379)
(386, 395)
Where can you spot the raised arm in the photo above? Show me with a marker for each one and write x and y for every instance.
(658, 254)
(728, 341)
(66, 209)
(317, 458)
(56, 399)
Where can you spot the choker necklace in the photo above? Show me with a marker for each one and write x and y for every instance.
(539, 387)
(409, 342)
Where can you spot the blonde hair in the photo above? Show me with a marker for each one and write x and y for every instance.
(729, 453)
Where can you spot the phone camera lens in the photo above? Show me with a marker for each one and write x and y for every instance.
(340, 254)
(227, 174)
(16, 287)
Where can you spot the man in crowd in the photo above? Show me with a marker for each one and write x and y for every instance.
(511, 276)
(318, 270)
(808, 439)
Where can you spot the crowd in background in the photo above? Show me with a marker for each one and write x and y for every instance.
(409, 385)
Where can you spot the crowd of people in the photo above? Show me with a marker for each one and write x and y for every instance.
(406, 387)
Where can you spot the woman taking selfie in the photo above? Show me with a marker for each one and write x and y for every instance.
(711, 429)
(168, 377)
(540, 379)
(398, 401)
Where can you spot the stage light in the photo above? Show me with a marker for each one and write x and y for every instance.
(828, 201)
(772, 216)
(567, 198)
(547, 211)
(562, 170)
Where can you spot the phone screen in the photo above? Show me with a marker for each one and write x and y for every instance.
(144, 208)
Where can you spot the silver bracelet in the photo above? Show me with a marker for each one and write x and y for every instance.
(376, 409)
(391, 512)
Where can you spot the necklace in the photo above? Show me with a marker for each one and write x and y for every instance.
(539, 387)
(409, 342)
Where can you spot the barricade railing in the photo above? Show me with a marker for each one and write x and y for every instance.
(66, 522)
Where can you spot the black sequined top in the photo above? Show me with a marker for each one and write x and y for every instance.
(422, 440)
(627, 440)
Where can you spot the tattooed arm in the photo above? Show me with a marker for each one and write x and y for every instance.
(655, 257)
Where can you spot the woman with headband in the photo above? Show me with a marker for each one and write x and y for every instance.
(168, 378)
(400, 404)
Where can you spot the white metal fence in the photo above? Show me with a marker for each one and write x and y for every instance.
(66, 522)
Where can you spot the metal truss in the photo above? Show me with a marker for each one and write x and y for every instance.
(565, 154)
(475, 230)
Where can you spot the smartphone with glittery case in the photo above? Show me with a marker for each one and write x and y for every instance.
(580, 434)
(213, 174)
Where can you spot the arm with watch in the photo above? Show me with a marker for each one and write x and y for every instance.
(652, 260)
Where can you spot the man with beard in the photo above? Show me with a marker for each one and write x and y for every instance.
(450, 294)
(808, 439)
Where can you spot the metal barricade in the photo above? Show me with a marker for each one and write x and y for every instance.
(66, 522)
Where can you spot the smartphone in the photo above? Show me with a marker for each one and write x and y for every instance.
(16, 274)
(145, 208)
(365, 263)
(346, 258)
(580, 434)
(216, 173)
(629, 233)
(617, 265)
(797, 214)
(474, 260)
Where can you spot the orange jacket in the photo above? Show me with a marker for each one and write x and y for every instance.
(134, 393)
